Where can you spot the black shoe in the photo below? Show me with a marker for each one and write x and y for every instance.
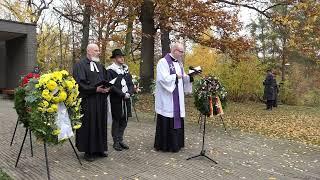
(88, 157)
(101, 154)
(123, 145)
(117, 146)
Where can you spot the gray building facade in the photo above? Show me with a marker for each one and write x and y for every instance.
(17, 52)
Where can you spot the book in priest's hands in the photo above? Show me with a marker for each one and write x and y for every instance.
(194, 70)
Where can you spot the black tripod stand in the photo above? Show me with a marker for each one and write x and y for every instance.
(45, 152)
(200, 122)
(133, 102)
(203, 151)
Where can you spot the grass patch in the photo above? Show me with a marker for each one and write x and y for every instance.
(4, 176)
(299, 123)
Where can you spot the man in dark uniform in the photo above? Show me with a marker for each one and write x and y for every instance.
(91, 138)
(118, 75)
(269, 90)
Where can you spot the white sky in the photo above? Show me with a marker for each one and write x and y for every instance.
(246, 16)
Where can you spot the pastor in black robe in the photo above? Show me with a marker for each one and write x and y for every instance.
(92, 136)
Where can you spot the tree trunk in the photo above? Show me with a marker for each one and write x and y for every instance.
(85, 30)
(147, 45)
(128, 42)
(283, 59)
(165, 40)
(73, 45)
(60, 45)
(101, 43)
(165, 31)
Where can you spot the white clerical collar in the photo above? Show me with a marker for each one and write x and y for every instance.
(93, 67)
(174, 59)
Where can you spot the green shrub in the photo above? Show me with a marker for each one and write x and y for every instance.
(243, 80)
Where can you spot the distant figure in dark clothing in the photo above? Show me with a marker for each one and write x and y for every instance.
(269, 90)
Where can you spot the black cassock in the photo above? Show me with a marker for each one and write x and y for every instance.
(92, 136)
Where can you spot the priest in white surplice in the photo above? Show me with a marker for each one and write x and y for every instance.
(171, 84)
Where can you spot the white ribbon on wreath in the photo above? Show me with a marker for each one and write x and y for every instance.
(62, 120)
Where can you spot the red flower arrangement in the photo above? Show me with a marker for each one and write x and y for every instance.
(26, 78)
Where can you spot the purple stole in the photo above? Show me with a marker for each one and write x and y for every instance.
(175, 95)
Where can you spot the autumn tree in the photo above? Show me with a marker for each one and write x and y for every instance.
(27, 11)
(211, 23)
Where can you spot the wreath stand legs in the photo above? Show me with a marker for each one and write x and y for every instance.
(24, 139)
(200, 121)
(46, 157)
(75, 152)
(45, 152)
(14, 132)
(134, 109)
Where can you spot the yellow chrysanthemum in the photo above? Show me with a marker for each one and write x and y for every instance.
(56, 132)
(56, 99)
(57, 76)
(44, 104)
(46, 95)
(77, 126)
(41, 109)
(54, 107)
(52, 85)
(44, 79)
(69, 85)
(64, 72)
(62, 96)
(45, 92)
(50, 110)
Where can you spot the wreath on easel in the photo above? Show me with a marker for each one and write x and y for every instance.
(209, 96)
(49, 106)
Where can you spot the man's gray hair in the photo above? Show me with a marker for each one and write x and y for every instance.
(176, 45)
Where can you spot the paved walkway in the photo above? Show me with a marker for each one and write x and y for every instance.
(239, 156)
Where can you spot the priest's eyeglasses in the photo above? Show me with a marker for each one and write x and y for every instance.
(181, 51)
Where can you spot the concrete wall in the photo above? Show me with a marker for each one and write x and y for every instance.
(17, 62)
(3, 62)
(20, 51)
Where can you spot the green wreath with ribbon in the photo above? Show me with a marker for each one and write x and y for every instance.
(50, 106)
(210, 96)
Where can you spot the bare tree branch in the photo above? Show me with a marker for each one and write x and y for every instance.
(67, 16)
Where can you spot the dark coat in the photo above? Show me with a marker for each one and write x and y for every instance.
(116, 94)
(270, 87)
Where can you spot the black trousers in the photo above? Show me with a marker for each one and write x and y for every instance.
(119, 124)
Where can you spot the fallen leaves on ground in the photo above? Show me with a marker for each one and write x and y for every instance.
(298, 123)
